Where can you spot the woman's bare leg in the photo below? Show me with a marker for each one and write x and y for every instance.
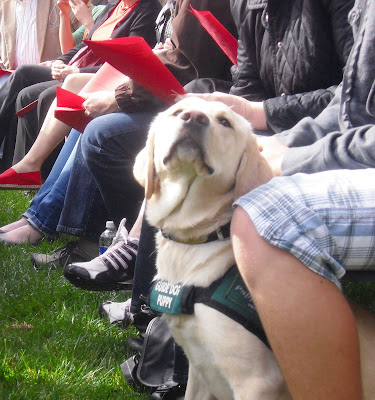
(53, 130)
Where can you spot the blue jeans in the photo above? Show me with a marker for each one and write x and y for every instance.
(74, 198)
(45, 208)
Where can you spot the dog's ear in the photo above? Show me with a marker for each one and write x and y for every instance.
(144, 167)
(253, 170)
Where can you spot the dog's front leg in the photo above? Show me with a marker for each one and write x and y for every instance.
(196, 388)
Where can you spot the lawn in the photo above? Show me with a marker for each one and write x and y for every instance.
(53, 345)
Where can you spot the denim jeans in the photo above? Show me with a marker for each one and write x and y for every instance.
(71, 200)
(45, 208)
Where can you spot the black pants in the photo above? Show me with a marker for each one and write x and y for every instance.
(29, 124)
(145, 270)
(23, 76)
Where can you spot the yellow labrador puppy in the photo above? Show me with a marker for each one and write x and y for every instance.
(199, 157)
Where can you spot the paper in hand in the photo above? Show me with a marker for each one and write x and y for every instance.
(135, 58)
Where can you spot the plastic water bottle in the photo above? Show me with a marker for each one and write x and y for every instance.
(105, 239)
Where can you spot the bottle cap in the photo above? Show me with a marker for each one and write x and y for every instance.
(110, 225)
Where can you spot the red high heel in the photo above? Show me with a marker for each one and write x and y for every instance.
(12, 180)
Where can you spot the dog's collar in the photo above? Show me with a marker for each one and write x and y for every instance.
(221, 233)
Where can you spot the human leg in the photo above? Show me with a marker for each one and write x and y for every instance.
(84, 214)
(22, 77)
(27, 126)
(307, 320)
(52, 131)
(109, 146)
(43, 214)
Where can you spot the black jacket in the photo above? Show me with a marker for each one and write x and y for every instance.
(290, 55)
(141, 22)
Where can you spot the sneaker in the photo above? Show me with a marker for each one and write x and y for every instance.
(117, 313)
(112, 270)
(72, 252)
(169, 391)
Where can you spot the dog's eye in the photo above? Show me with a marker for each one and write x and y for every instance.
(177, 112)
(223, 121)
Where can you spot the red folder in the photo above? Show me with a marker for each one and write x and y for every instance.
(26, 109)
(69, 105)
(219, 33)
(135, 58)
(70, 110)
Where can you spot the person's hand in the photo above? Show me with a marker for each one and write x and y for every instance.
(60, 71)
(273, 150)
(99, 103)
(64, 7)
(251, 110)
(47, 63)
(82, 12)
(162, 47)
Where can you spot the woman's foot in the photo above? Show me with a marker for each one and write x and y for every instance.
(25, 166)
(14, 225)
(24, 234)
(13, 180)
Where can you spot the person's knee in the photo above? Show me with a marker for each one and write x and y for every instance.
(72, 81)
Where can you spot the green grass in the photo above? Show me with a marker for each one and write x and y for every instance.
(52, 343)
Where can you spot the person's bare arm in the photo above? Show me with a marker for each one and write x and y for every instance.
(81, 11)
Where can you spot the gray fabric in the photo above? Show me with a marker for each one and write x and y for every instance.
(343, 135)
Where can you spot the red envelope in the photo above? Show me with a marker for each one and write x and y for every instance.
(69, 109)
(219, 33)
(135, 58)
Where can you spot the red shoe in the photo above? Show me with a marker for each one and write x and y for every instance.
(12, 180)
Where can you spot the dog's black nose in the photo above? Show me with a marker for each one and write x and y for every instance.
(195, 117)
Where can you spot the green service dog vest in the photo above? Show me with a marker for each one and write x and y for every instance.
(228, 295)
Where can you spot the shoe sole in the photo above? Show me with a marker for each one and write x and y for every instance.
(20, 187)
(93, 286)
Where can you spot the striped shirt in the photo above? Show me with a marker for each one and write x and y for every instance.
(27, 51)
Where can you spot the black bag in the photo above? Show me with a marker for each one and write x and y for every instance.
(154, 366)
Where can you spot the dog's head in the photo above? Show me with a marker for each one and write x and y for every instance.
(198, 158)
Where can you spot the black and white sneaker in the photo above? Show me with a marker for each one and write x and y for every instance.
(113, 270)
(117, 313)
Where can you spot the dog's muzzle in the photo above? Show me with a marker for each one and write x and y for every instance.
(191, 137)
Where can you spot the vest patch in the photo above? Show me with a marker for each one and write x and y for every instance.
(166, 298)
(229, 295)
